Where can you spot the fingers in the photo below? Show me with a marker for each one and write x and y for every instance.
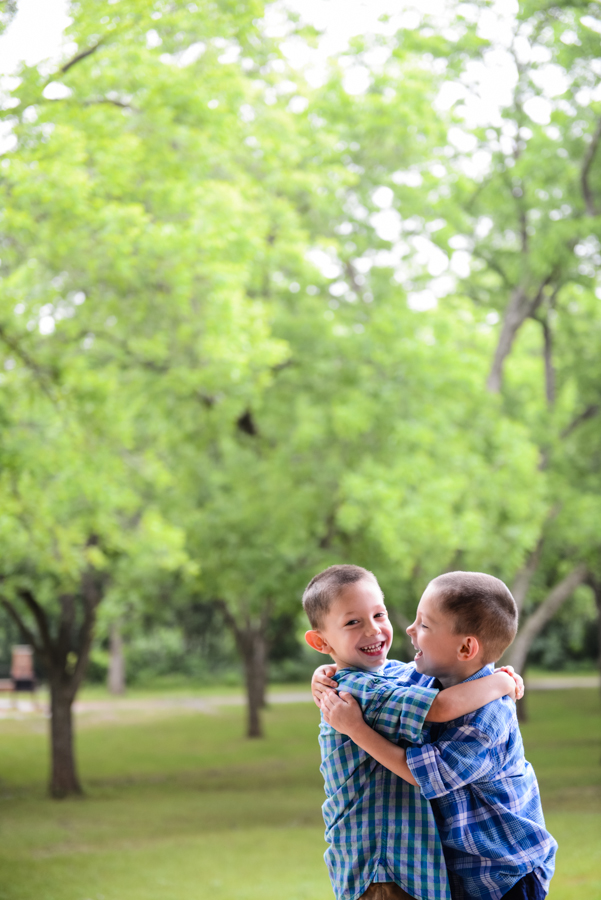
(519, 689)
(323, 680)
(518, 680)
(329, 699)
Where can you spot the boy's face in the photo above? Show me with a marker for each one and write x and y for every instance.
(439, 649)
(356, 631)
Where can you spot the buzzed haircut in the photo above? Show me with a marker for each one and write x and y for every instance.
(480, 605)
(323, 589)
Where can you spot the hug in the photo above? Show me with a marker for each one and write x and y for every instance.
(428, 793)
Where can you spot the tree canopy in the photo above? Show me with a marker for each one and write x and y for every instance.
(251, 326)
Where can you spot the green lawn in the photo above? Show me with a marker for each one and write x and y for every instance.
(182, 808)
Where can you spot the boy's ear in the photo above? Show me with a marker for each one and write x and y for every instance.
(470, 648)
(317, 641)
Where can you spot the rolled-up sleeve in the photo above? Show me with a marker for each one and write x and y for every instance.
(395, 711)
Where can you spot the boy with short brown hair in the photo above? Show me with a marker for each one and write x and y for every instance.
(484, 793)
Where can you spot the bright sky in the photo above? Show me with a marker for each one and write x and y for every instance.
(36, 32)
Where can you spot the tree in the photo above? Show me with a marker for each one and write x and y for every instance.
(134, 297)
(529, 226)
(67, 512)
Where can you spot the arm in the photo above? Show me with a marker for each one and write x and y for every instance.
(321, 682)
(469, 696)
(343, 713)
(472, 751)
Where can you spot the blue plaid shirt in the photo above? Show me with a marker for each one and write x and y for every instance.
(486, 800)
(380, 828)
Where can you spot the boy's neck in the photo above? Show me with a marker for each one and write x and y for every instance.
(461, 673)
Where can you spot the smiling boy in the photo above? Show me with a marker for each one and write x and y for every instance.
(383, 839)
(484, 793)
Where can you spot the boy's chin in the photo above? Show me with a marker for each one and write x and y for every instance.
(370, 662)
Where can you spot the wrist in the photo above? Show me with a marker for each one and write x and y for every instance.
(506, 682)
(358, 730)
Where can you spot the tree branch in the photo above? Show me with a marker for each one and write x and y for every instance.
(65, 628)
(92, 595)
(587, 162)
(27, 633)
(522, 580)
(520, 307)
(41, 621)
(41, 374)
(79, 56)
(590, 412)
(108, 100)
(549, 367)
(494, 265)
(543, 613)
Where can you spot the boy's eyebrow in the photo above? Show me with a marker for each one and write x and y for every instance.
(352, 612)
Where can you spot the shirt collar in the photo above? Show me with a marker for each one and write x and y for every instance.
(481, 673)
(488, 669)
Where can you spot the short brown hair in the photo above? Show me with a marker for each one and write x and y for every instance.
(481, 605)
(323, 589)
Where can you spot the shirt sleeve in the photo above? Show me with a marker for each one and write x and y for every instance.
(397, 711)
(464, 753)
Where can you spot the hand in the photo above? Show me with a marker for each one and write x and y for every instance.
(322, 682)
(519, 681)
(341, 711)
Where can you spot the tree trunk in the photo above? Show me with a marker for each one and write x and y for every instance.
(533, 625)
(66, 655)
(515, 315)
(520, 307)
(63, 779)
(116, 673)
(522, 580)
(254, 653)
(596, 588)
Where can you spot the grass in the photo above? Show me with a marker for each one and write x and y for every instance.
(183, 808)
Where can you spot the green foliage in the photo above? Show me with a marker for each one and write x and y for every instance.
(223, 356)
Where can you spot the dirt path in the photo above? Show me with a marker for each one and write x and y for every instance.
(130, 708)
(127, 709)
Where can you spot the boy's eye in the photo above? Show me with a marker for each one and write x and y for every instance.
(352, 622)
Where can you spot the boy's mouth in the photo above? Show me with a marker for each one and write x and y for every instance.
(418, 653)
(373, 649)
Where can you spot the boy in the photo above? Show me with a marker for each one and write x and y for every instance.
(484, 794)
(382, 834)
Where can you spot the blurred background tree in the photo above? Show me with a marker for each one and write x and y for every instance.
(251, 327)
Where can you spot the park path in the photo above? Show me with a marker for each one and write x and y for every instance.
(128, 708)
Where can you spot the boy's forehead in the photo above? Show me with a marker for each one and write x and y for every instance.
(430, 602)
(430, 606)
(349, 601)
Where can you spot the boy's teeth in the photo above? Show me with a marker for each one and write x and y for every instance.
(373, 647)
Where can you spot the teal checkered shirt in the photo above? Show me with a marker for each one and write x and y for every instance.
(378, 827)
